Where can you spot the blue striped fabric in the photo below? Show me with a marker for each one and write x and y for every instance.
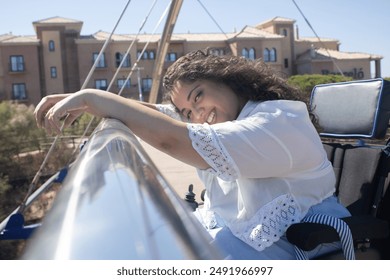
(342, 229)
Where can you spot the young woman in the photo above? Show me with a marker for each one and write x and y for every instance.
(253, 143)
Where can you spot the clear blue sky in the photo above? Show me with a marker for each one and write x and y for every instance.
(360, 25)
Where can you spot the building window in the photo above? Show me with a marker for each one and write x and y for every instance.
(53, 72)
(121, 83)
(52, 47)
(145, 55)
(152, 55)
(101, 84)
(139, 53)
(269, 55)
(217, 51)
(147, 84)
(101, 63)
(245, 52)
(252, 54)
(119, 58)
(171, 56)
(272, 55)
(266, 55)
(284, 32)
(16, 63)
(286, 63)
(19, 92)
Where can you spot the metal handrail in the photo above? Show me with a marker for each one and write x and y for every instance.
(115, 204)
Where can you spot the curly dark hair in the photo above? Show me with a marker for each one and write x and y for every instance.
(251, 79)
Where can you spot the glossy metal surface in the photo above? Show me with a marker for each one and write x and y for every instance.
(116, 205)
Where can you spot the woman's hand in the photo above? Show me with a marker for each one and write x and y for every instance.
(53, 108)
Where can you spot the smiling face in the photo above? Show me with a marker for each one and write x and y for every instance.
(206, 102)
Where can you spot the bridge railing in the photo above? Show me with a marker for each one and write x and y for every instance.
(115, 204)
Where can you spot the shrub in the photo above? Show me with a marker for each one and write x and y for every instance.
(307, 82)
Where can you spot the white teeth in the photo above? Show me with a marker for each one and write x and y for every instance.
(211, 117)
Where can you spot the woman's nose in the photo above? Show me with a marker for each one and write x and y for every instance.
(198, 115)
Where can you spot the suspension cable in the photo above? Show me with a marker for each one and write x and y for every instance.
(216, 23)
(116, 74)
(51, 149)
(144, 48)
(131, 46)
(121, 64)
(213, 19)
(108, 40)
(319, 39)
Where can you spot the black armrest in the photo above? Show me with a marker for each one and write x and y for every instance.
(307, 236)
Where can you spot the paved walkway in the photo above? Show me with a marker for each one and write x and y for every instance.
(178, 174)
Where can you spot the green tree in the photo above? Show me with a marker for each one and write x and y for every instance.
(18, 135)
(307, 82)
(23, 147)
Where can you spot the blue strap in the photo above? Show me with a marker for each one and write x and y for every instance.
(342, 229)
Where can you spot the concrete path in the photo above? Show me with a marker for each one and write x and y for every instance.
(178, 174)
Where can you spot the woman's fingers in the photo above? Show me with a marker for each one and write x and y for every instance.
(46, 103)
(70, 118)
(52, 121)
(67, 109)
(41, 110)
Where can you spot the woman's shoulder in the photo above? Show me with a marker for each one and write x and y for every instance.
(273, 107)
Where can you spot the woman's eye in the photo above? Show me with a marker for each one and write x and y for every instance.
(188, 115)
(198, 95)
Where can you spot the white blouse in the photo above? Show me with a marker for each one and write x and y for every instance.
(267, 168)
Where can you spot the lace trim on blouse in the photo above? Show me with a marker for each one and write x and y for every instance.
(268, 224)
(207, 145)
(169, 110)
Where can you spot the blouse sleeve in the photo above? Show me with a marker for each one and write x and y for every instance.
(169, 110)
(266, 144)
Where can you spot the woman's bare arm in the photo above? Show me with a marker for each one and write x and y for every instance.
(164, 133)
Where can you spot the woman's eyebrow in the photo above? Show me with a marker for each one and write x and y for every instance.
(189, 94)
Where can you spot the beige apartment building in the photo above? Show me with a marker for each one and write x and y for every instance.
(59, 59)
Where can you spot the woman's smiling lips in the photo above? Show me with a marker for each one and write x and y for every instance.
(211, 117)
